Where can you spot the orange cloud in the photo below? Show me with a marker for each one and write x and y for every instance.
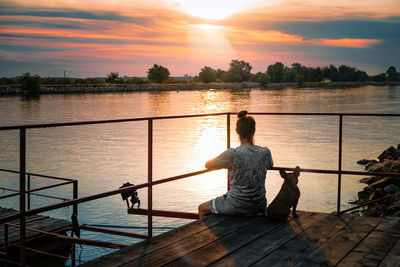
(356, 43)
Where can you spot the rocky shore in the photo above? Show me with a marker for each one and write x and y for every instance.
(385, 190)
(106, 88)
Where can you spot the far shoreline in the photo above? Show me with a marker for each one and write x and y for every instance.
(109, 88)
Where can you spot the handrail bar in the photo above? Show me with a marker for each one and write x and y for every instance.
(165, 180)
(391, 174)
(48, 125)
(40, 175)
(74, 240)
(100, 195)
(35, 194)
(325, 114)
(40, 188)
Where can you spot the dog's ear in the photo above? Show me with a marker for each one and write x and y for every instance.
(297, 171)
(283, 173)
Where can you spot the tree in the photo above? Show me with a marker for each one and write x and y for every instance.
(276, 72)
(299, 79)
(392, 74)
(112, 77)
(255, 77)
(381, 77)
(219, 73)
(240, 70)
(226, 77)
(330, 72)
(158, 73)
(30, 84)
(347, 74)
(207, 75)
(314, 74)
(288, 75)
(361, 76)
(265, 78)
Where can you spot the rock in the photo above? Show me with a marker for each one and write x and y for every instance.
(378, 193)
(394, 207)
(396, 154)
(364, 195)
(380, 186)
(395, 197)
(369, 180)
(386, 166)
(380, 183)
(386, 154)
(363, 161)
(390, 189)
(370, 164)
(375, 210)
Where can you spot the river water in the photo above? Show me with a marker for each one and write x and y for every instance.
(102, 157)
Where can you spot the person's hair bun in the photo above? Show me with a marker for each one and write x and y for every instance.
(242, 114)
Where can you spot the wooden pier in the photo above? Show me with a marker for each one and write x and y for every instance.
(34, 240)
(313, 239)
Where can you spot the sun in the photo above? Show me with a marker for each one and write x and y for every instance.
(213, 9)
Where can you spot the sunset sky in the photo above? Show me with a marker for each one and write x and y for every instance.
(91, 38)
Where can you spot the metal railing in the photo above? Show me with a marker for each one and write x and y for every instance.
(30, 191)
(150, 183)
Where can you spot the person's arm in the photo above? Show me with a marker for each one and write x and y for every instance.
(220, 162)
(270, 161)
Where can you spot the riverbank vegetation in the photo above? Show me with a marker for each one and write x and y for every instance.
(239, 71)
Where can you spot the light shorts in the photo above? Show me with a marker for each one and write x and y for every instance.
(224, 205)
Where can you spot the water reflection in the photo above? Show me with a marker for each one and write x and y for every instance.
(159, 100)
(102, 157)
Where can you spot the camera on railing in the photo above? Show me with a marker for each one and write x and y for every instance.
(133, 195)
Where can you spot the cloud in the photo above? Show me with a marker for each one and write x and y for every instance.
(26, 48)
(345, 42)
(7, 10)
(328, 29)
(47, 25)
(93, 38)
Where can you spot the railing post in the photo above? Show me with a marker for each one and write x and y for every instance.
(22, 170)
(340, 163)
(29, 189)
(75, 196)
(228, 141)
(150, 179)
(73, 254)
(5, 244)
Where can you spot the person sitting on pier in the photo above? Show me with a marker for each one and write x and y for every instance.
(247, 165)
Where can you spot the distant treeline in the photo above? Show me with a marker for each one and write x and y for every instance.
(239, 71)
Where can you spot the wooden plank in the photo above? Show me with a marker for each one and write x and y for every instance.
(230, 243)
(392, 259)
(128, 254)
(269, 242)
(339, 245)
(303, 244)
(194, 242)
(372, 250)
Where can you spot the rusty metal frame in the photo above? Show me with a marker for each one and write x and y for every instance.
(150, 212)
(30, 191)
